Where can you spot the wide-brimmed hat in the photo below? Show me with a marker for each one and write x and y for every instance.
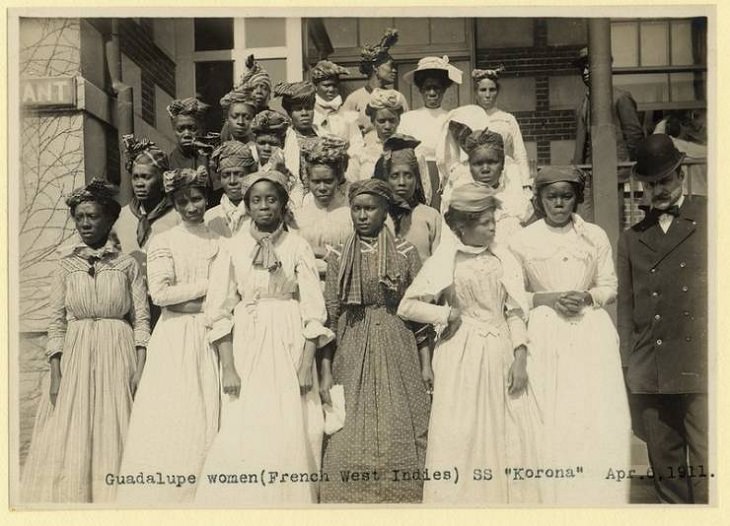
(436, 64)
(656, 157)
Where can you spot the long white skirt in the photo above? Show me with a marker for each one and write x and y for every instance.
(175, 413)
(268, 448)
(476, 426)
(576, 370)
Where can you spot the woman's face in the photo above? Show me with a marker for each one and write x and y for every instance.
(260, 95)
(239, 120)
(231, 181)
(402, 180)
(480, 232)
(328, 89)
(323, 183)
(266, 143)
(302, 118)
(92, 223)
(190, 204)
(487, 92)
(186, 129)
(368, 214)
(386, 72)
(146, 182)
(559, 202)
(265, 205)
(432, 91)
(385, 122)
(485, 165)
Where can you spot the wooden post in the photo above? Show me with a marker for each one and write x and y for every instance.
(603, 134)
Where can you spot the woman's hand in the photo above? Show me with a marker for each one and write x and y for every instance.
(572, 302)
(304, 372)
(454, 322)
(134, 382)
(326, 382)
(188, 307)
(517, 376)
(427, 376)
(231, 381)
(55, 385)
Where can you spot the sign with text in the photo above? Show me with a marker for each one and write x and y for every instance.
(48, 92)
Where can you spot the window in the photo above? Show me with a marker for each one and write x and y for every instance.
(661, 62)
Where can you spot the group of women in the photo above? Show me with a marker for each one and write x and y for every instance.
(372, 312)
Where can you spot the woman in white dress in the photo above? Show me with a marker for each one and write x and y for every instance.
(384, 110)
(486, 160)
(484, 418)
(267, 317)
(233, 161)
(576, 370)
(175, 415)
(433, 76)
(324, 219)
(486, 114)
(96, 348)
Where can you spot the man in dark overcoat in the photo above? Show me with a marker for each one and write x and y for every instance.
(662, 323)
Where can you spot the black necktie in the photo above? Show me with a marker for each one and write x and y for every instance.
(655, 213)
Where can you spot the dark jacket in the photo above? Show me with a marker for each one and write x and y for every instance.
(629, 132)
(662, 303)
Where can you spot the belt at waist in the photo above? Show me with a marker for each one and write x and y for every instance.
(96, 318)
(492, 326)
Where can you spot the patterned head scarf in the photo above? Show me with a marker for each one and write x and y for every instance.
(329, 150)
(371, 56)
(97, 191)
(295, 93)
(253, 75)
(174, 180)
(270, 122)
(491, 74)
(384, 99)
(370, 186)
(190, 106)
(324, 69)
(237, 96)
(232, 154)
(145, 149)
(473, 197)
(471, 140)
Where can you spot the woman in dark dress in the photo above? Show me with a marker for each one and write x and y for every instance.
(384, 375)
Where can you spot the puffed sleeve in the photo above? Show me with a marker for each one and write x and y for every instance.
(222, 296)
(139, 315)
(520, 152)
(311, 300)
(605, 282)
(161, 277)
(418, 302)
(625, 307)
(57, 306)
(331, 296)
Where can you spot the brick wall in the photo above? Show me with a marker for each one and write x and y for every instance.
(137, 42)
(540, 61)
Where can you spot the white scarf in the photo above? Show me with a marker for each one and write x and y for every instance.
(326, 106)
(234, 214)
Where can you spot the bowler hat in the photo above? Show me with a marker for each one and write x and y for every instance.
(656, 157)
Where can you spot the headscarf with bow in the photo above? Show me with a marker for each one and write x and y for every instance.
(324, 69)
(190, 106)
(174, 180)
(253, 75)
(136, 148)
(469, 140)
(232, 154)
(371, 56)
(270, 122)
(350, 275)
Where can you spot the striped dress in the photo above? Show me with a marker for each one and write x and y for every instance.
(97, 319)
